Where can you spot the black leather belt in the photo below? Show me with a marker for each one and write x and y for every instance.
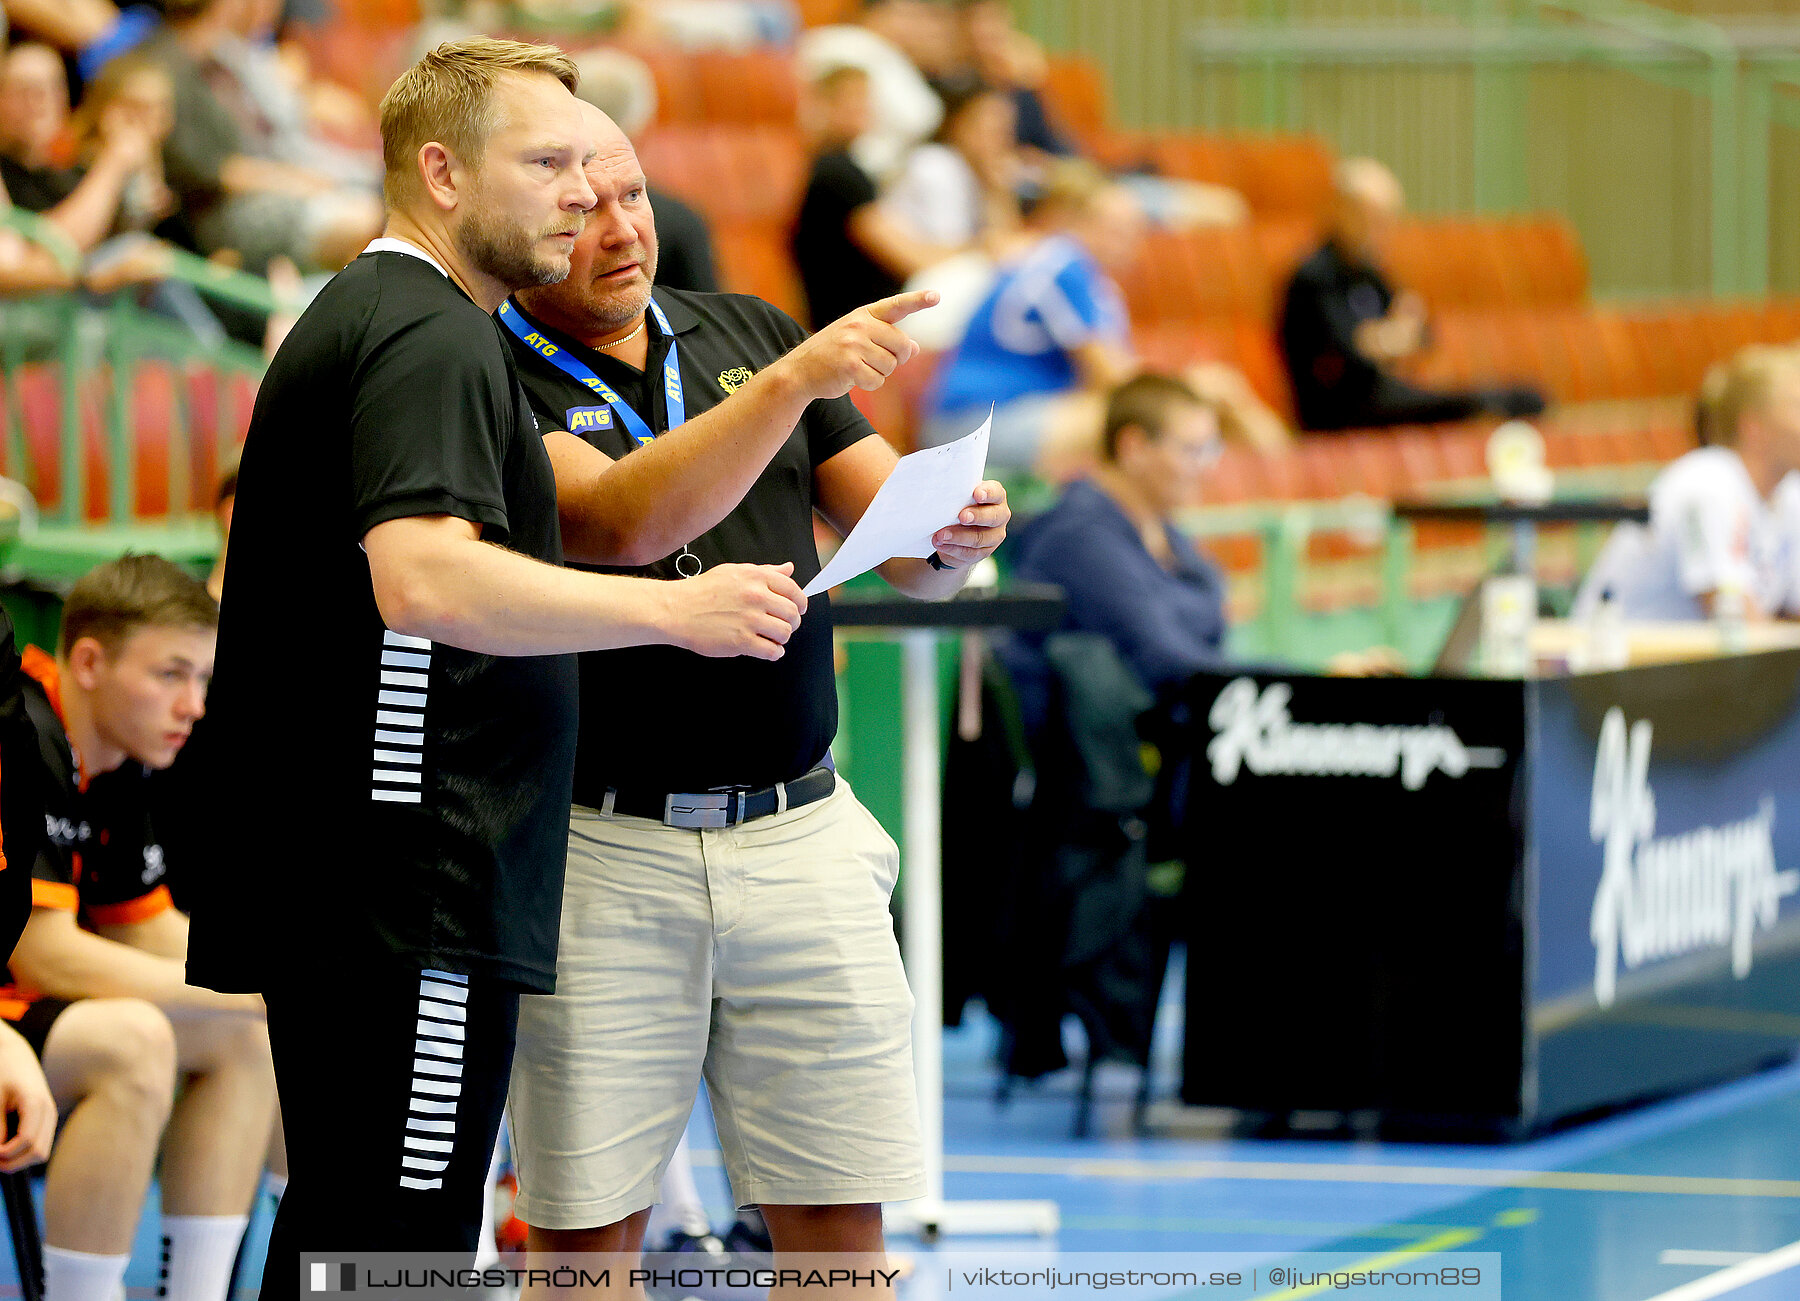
(702, 810)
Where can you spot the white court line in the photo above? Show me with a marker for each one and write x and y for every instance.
(1682, 1256)
(1734, 1277)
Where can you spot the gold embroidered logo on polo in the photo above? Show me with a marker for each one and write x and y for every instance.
(734, 379)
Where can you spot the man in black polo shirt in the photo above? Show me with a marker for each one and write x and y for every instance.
(395, 699)
(1343, 328)
(726, 905)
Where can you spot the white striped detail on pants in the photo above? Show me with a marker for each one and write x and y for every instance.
(436, 1080)
(399, 754)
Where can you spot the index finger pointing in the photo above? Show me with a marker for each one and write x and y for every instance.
(900, 306)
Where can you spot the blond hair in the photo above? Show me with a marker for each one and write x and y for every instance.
(1739, 387)
(448, 97)
(1072, 186)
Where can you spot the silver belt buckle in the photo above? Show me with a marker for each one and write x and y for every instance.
(698, 812)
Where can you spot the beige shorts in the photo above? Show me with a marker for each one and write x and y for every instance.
(761, 956)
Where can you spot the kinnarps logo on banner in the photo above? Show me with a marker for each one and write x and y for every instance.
(1255, 730)
(1661, 897)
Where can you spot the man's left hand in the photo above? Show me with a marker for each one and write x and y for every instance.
(980, 527)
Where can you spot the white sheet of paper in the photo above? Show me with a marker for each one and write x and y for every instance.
(925, 492)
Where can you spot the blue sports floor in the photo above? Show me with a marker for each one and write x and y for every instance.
(1686, 1200)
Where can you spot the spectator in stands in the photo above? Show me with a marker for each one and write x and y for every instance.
(116, 1021)
(34, 113)
(272, 100)
(620, 85)
(899, 44)
(31, 262)
(130, 97)
(702, 24)
(1052, 337)
(962, 186)
(1006, 57)
(1112, 545)
(91, 31)
(848, 249)
(230, 197)
(1724, 518)
(101, 205)
(1344, 328)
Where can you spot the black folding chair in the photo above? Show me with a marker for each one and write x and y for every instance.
(27, 1237)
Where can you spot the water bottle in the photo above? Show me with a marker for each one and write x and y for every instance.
(1731, 616)
(1608, 645)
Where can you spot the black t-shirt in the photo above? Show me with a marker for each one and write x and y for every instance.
(663, 719)
(23, 794)
(837, 275)
(1330, 296)
(381, 799)
(37, 189)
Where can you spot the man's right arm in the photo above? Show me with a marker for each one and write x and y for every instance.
(435, 578)
(636, 510)
(62, 960)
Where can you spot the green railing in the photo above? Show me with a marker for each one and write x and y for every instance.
(89, 342)
(1665, 137)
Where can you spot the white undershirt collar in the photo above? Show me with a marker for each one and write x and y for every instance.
(388, 244)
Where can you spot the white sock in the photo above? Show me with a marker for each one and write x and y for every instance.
(79, 1276)
(198, 1252)
(681, 1195)
(486, 1251)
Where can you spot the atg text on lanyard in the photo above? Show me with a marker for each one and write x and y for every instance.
(641, 432)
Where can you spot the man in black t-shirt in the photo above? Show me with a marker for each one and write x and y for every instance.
(395, 701)
(726, 906)
(843, 245)
(1343, 327)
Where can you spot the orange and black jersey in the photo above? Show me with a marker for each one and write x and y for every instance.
(100, 857)
(21, 794)
(94, 853)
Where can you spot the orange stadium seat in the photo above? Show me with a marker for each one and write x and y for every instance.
(1674, 348)
(1782, 320)
(818, 13)
(1284, 175)
(1282, 476)
(1421, 459)
(1194, 275)
(153, 415)
(1547, 253)
(1670, 438)
(1284, 243)
(751, 86)
(1376, 467)
(754, 259)
(1629, 376)
(1233, 478)
(1075, 94)
(1190, 156)
(730, 171)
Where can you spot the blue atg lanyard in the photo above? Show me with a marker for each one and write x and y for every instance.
(522, 326)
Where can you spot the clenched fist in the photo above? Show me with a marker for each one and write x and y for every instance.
(859, 350)
(738, 610)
